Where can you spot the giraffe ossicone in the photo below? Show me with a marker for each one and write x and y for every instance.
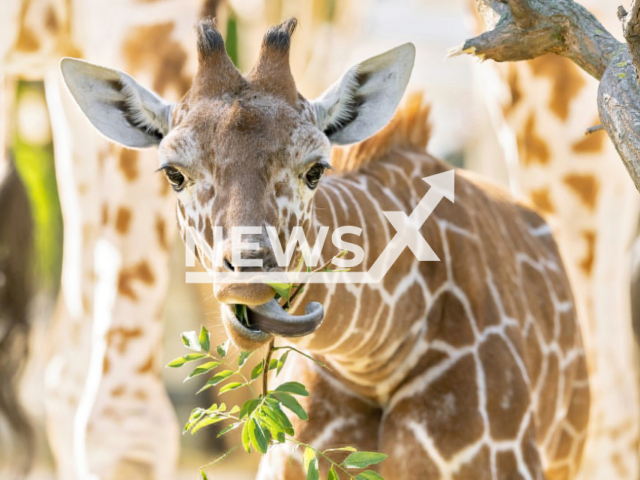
(468, 367)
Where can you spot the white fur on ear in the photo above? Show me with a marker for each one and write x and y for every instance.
(366, 97)
(116, 104)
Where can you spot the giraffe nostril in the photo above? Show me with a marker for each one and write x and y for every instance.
(228, 265)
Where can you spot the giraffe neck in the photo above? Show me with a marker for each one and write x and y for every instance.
(372, 333)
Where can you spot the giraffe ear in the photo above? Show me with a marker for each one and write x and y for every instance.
(365, 98)
(116, 104)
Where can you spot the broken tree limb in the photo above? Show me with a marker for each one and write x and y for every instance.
(631, 30)
(526, 29)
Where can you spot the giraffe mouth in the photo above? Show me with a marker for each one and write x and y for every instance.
(271, 318)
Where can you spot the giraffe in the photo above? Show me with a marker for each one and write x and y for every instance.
(108, 412)
(579, 184)
(470, 367)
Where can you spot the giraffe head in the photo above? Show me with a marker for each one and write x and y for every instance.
(243, 150)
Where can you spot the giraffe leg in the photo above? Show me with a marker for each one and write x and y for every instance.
(109, 414)
(337, 418)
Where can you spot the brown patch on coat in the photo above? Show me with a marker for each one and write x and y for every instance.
(27, 41)
(151, 48)
(541, 198)
(147, 367)
(139, 272)
(161, 231)
(118, 391)
(533, 149)
(120, 337)
(51, 21)
(123, 220)
(448, 321)
(586, 187)
(566, 81)
(514, 89)
(129, 163)
(105, 214)
(140, 395)
(507, 465)
(592, 142)
(451, 405)
(105, 365)
(586, 264)
(506, 391)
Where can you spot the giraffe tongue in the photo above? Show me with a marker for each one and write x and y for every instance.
(272, 318)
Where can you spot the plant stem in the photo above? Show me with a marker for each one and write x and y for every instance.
(265, 372)
(318, 452)
(302, 285)
(237, 372)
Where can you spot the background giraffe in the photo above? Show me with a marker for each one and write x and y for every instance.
(541, 109)
(104, 372)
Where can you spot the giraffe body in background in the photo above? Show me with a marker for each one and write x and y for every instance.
(470, 367)
(109, 416)
(580, 185)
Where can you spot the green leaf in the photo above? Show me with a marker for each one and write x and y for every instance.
(296, 388)
(226, 430)
(258, 439)
(206, 422)
(190, 357)
(231, 386)
(310, 462)
(203, 339)
(204, 475)
(241, 313)
(217, 378)
(363, 459)
(274, 427)
(281, 362)
(246, 440)
(332, 473)
(248, 407)
(223, 349)
(369, 475)
(273, 363)
(190, 340)
(272, 409)
(292, 404)
(257, 370)
(242, 358)
(282, 289)
(204, 368)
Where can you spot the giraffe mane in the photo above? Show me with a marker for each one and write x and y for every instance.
(409, 129)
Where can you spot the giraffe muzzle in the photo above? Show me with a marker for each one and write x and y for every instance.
(273, 319)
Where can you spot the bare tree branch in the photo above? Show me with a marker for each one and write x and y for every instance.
(526, 29)
(631, 30)
(594, 129)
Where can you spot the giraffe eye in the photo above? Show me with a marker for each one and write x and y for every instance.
(313, 175)
(176, 179)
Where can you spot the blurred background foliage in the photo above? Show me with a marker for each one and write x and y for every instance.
(32, 150)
